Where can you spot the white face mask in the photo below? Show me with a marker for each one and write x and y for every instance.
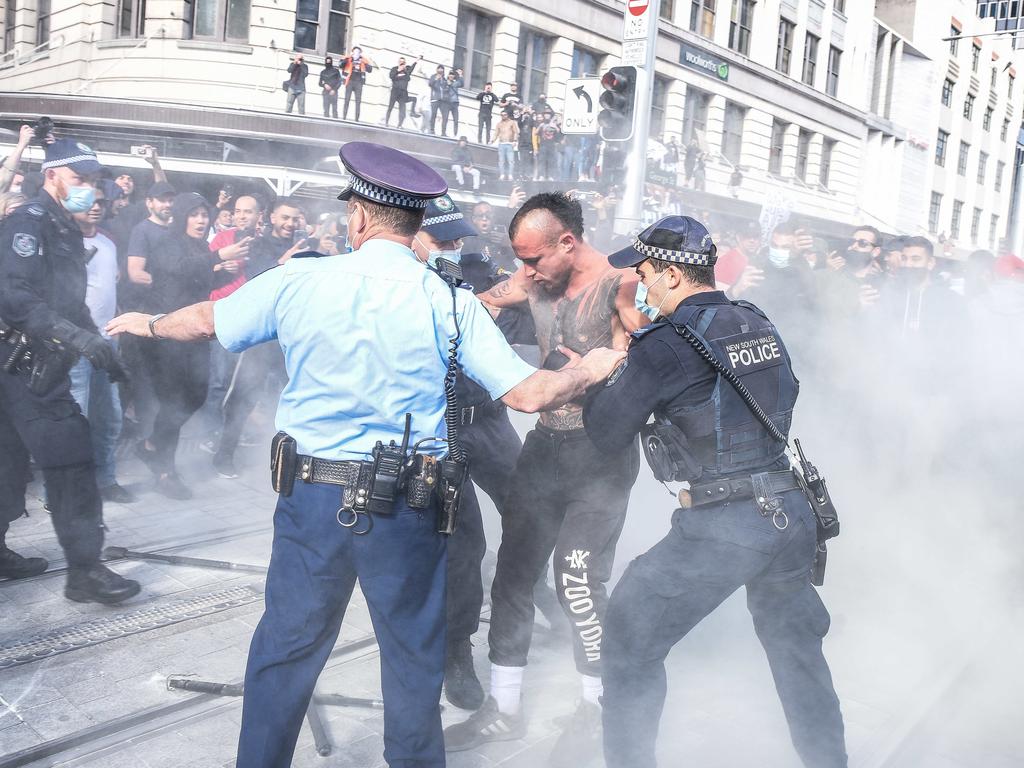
(641, 299)
(779, 257)
(453, 255)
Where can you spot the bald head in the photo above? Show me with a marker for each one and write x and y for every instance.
(247, 212)
(554, 212)
(538, 222)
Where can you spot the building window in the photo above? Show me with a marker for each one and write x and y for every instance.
(975, 58)
(954, 44)
(474, 45)
(810, 59)
(131, 18)
(42, 21)
(832, 81)
(947, 93)
(1000, 167)
(667, 10)
(584, 62)
(940, 148)
(532, 66)
(1009, 86)
(784, 55)
(961, 163)
(982, 166)
(954, 223)
(1005, 130)
(702, 17)
(992, 227)
(969, 106)
(986, 121)
(992, 79)
(659, 99)
(732, 132)
(778, 147)
(695, 114)
(803, 153)
(825, 169)
(740, 26)
(933, 212)
(841, 6)
(975, 224)
(9, 26)
(322, 25)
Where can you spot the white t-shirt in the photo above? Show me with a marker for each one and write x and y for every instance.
(101, 288)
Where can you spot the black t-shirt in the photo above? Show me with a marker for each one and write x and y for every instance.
(264, 253)
(487, 101)
(145, 237)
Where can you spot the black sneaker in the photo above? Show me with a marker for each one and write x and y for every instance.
(225, 468)
(461, 685)
(484, 725)
(149, 458)
(580, 742)
(117, 494)
(172, 487)
(99, 584)
(14, 566)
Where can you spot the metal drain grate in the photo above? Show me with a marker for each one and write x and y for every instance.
(142, 620)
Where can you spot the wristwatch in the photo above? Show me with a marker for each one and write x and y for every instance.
(152, 325)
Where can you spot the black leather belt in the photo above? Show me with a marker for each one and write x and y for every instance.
(740, 487)
(313, 470)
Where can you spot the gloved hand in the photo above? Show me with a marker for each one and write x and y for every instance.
(91, 346)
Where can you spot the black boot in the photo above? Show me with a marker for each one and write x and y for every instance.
(14, 566)
(461, 686)
(98, 584)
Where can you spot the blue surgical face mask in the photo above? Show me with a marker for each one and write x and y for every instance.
(79, 199)
(454, 255)
(641, 299)
(779, 257)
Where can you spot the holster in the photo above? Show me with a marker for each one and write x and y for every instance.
(453, 478)
(283, 463)
(668, 453)
(46, 363)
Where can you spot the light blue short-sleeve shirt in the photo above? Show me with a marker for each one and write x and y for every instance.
(365, 337)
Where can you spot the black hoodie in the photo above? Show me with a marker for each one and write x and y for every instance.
(181, 266)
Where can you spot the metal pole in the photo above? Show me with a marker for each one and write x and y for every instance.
(1015, 232)
(629, 214)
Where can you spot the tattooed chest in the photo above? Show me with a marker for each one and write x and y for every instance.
(581, 323)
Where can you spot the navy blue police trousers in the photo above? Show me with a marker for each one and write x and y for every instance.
(708, 554)
(314, 564)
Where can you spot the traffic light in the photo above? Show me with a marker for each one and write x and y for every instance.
(618, 103)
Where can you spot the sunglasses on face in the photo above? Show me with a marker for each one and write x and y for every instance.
(860, 242)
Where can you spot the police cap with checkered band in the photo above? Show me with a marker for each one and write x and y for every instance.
(68, 153)
(387, 176)
(675, 239)
(444, 221)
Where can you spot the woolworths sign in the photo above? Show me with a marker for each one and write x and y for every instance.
(695, 58)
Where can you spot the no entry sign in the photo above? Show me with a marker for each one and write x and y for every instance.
(637, 20)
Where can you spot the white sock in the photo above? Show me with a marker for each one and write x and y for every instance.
(506, 687)
(592, 689)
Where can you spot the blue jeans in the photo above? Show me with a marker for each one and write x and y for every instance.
(101, 405)
(708, 554)
(506, 158)
(401, 565)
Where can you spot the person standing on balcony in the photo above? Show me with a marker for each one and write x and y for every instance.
(355, 66)
(450, 101)
(295, 85)
(330, 82)
(400, 76)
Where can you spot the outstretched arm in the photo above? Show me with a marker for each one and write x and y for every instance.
(191, 323)
(509, 293)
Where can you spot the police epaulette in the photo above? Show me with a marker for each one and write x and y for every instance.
(308, 255)
(639, 333)
(35, 210)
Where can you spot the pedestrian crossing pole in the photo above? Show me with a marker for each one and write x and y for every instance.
(639, 48)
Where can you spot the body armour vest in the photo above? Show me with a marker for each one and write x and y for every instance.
(722, 435)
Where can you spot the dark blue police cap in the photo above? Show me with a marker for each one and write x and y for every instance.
(385, 175)
(71, 154)
(445, 221)
(676, 239)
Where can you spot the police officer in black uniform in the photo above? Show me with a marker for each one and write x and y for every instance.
(489, 438)
(42, 306)
(744, 521)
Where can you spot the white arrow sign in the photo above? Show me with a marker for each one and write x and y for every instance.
(581, 107)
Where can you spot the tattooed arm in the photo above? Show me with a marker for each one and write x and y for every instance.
(508, 293)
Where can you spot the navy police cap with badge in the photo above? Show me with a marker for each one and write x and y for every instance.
(389, 177)
(675, 239)
(68, 153)
(444, 221)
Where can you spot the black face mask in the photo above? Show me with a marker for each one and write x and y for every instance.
(857, 260)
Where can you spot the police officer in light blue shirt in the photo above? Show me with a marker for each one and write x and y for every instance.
(366, 339)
